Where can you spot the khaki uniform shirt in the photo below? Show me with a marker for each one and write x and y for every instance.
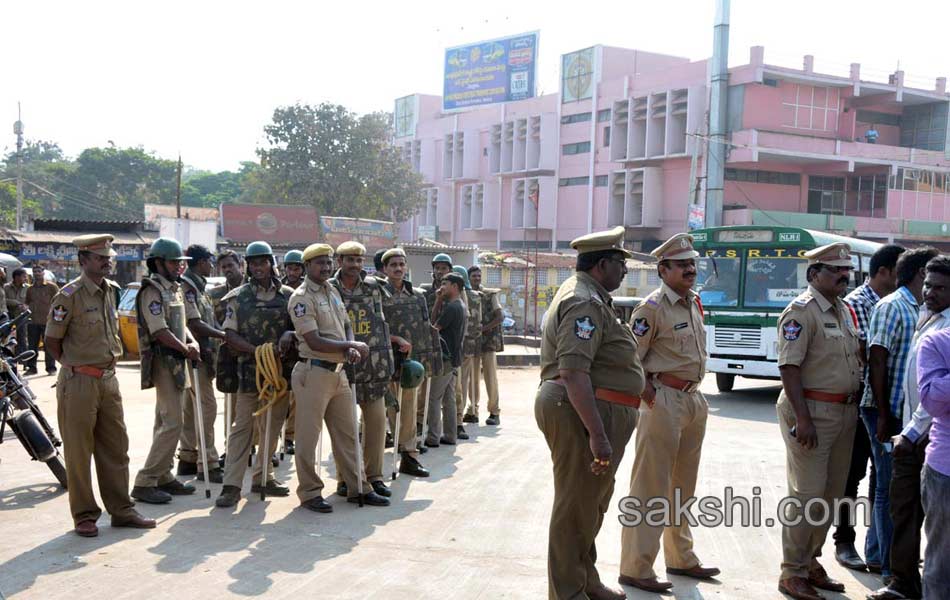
(670, 331)
(154, 314)
(15, 298)
(316, 307)
(822, 339)
(38, 298)
(84, 316)
(583, 333)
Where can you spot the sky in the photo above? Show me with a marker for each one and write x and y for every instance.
(202, 78)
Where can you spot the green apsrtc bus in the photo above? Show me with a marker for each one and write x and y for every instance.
(746, 277)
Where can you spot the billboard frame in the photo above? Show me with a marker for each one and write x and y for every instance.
(534, 66)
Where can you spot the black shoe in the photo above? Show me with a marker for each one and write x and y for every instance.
(150, 495)
(230, 494)
(421, 448)
(461, 433)
(187, 468)
(289, 447)
(429, 444)
(318, 504)
(372, 498)
(341, 489)
(389, 440)
(214, 475)
(410, 466)
(380, 488)
(493, 420)
(273, 488)
(223, 460)
(274, 461)
(177, 488)
(848, 557)
(469, 418)
(30, 371)
(445, 440)
(51, 371)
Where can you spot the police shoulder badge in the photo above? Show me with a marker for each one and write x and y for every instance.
(791, 330)
(640, 327)
(155, 307)
(59, 313)
(300, 309)
(190, 296)
(584, 328)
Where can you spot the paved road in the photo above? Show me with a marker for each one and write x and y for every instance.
(476, 529)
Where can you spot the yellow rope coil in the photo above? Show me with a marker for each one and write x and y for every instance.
(271, 385)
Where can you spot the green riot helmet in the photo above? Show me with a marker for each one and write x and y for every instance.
(463, 273)
(294, 257)
(442, 258)
(167, 249)
(412, 374)
(258, 249)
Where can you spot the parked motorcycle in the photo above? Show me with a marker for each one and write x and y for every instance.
(18, 409)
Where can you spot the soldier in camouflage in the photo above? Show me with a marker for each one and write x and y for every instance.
(202, 326)
(466, 384)
(165, 344)
(293, 277)
(231, 267)
(363, 298)
(492, 343)
(255, 314)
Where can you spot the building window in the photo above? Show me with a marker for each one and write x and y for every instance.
(878, 118)
(600, 180)
(633, 278)
(576, 148)
(603, 115)
(404, 116)
(606, 136)
(492, 276)
(653, 278)
(566, 181)
(866, 196)
(810, 107)
(826, 195)
(925, 126)
(563, 274)
(541, 276)
(515, 277)
(575, 118)
(753, 176)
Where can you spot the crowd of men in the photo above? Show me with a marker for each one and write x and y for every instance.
(31, 290)
(290, 354)
(864, 377)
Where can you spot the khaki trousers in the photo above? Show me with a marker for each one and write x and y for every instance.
(580, 498)
(242, 435)
(92, 425)
(490, 372)
(323, 395)
(668, 447)
(817, 473)
(188, 447)
(166, 431)
(407, 420)
(470, 386)
(291, 419)
(373, 424)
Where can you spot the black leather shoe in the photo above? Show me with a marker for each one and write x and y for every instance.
(274, 461)
(469, 419)
(372, 498)
(273, 488)
(150, 495)
(389, 440)
(187, 468)
(421, 448)
(461, 433)
(848, 557)
(230, 494)
(289, 447)
(445, 440)
(223, 461)
(493, 420)
(341, 489)
(429, 444)
(318, 504)
(30, 372)
(410, 466)
(177, 488)
(380, 488)
(214, 475)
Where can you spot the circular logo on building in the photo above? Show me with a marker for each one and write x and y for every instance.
(267, 223)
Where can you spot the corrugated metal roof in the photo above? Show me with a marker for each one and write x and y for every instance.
(85, 225)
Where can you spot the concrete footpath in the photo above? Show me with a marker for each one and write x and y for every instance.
(476, 529)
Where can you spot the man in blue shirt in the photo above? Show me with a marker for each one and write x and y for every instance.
(889, 338)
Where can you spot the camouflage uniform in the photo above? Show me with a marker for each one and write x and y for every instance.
(198, 305)
(364, 305)
(292, 411)
(472, 353)
(493, 342)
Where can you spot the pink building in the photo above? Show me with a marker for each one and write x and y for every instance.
(623, 143)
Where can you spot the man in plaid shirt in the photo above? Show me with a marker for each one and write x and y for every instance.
(882, 281)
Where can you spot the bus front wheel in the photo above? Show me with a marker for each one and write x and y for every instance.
(725, 381)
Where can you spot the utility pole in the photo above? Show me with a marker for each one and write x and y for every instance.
(18, 130)
(178, 190)
(719, 92)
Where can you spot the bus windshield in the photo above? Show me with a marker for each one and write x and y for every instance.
(774, 277)
(717, 279)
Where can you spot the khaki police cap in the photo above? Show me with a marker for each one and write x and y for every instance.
(351, 248)
(678, 247)
(315, 250)
(97, 243)
(833, 255)
(612, 239)
(393, 252)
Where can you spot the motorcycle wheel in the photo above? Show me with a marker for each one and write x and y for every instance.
(56, 466)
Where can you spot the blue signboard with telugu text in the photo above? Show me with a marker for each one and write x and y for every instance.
(30, 251)
(499, 70)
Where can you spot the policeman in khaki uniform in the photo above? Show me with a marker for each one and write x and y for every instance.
(325, 342)
(82, 333)
(668, 326)
(586, 407)
(819, 360)
(165, 345)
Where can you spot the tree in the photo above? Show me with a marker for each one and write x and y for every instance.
(209, 190)
(341, 164)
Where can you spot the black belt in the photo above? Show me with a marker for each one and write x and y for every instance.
(165, 351)
(319, 362)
